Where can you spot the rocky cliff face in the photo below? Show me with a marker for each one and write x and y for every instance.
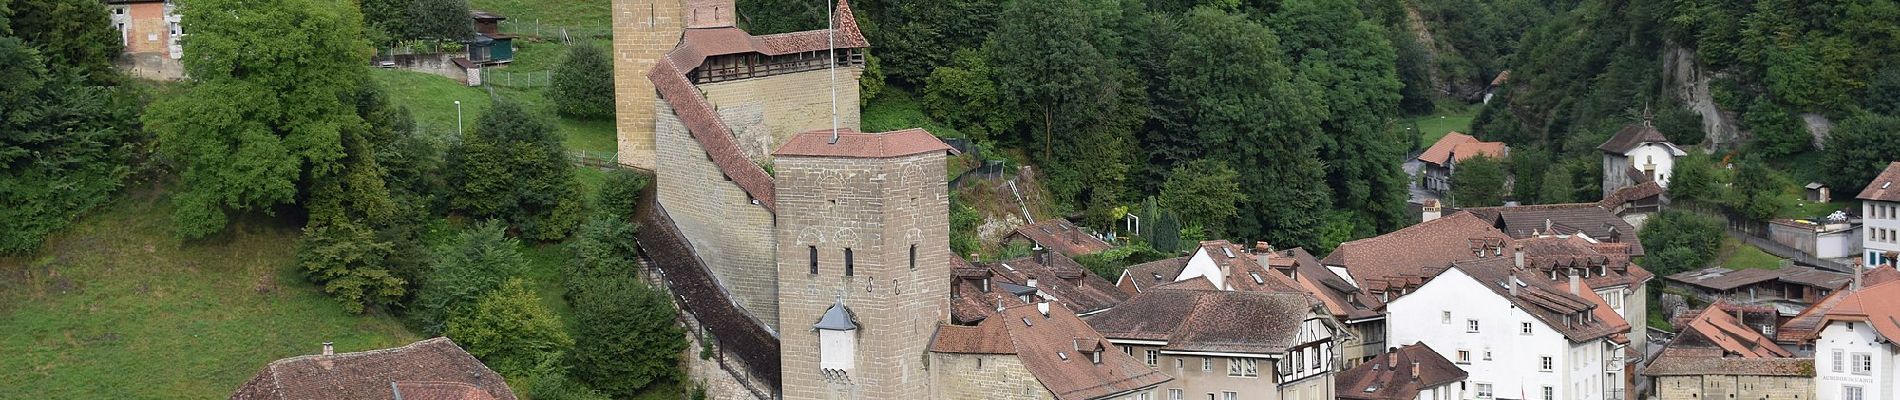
(1689, 82)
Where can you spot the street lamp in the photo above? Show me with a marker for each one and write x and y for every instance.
(458, 118)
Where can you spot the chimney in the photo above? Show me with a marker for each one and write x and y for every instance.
(1043, 307)
(1511, 284)
(999, 305)
(1517, 251)
(1032, 282)
(1432, 211)
(1042, 255)
(1075, 235)
(1855, 284)
(1392, 361)
(329, 348)
(1262, 247)
(1576, 283)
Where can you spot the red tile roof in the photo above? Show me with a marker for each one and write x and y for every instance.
(1873, 305)
(1561, 219)
(1710, 361)
(1210, 320)
(1141, 277)
(1550, 302)
(1807, 325)
(1055, 347)
(1465, 151)
(427, 364)
(440, 391)
(1440, 151)
(1883, 187)
(1068, 282)
(1408, 256)
(854, 144)
(1062, 236)
(1345, 301)
(703, 123)
(1715, 327)
(1398, 375)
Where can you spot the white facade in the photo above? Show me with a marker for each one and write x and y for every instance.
(1655, 159)
(1201, 265)
(1485, 335)
(1837, 351)
(1880, 230)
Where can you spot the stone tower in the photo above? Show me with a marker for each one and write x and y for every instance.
(863, 262)
(644, 30)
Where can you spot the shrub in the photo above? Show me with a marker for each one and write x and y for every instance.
(619, 196)
(511, 331)
(1478, 182)
(513, 167)
(477, 262)
(584, 83)
(1680, 241)
(347, 260)
(625, 337)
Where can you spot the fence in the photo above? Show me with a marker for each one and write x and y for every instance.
(524, 79)
(563, 33)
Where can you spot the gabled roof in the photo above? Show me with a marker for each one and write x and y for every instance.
(1632, 136)
(1551, 304)
(1062, 236)
(1806, 325)
(1714, 342)
(1465, 151)
(1141, 277)
(854, 144)
(1716, 328)
(1061, 279)
(1571, 218)
(1873, 305)
(1606, 264)
(1721, 279)
(1345, 301)
(1262, 323)
(427, 365)
(1885, 187)
(1408, 256)
(1398, 375)
(1441, 151)
(1055, 347)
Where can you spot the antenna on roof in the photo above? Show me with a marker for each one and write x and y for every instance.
(831, 42)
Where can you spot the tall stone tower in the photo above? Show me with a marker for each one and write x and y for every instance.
(863, 262)
(644, 30)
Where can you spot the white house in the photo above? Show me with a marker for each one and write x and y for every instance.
(1880, 216)
(1638, 153)
(1518, 336)
(1854, 355)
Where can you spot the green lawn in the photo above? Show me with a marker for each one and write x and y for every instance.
(1432, 127)
(115, 307)
(432, 99)
(1816, 211)
(522, 14)
(1737, 255)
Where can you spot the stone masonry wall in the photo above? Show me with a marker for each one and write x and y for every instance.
(732, 235)
(1733, 387)
(643, 31)
(984, 376)
(878, 208)
(764, 112)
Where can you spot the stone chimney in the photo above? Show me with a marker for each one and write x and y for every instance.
(1854, 285)
(1392, 361)
(1414, 370)
(1432, 210)
(329, 348)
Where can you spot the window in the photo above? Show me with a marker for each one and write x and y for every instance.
(1547, 362)
(1464, 356)
(1207, 364)
(1229, 396)
(1851, 392)
(1524, 328)
(1242, 367)
(813, 254)
(1487, 354)
(1839, 361)
(1550, 393)
(1471, 326)
(1863, 364)
(1146, 396)
(1128, 350)
(1444, 317)
(1179, 363)
(848, 267)
(1483, 391)
(913, 256)
(1175, 394)
(1151, 357)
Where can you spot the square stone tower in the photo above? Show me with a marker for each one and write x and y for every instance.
(863, 262)
(643, 31)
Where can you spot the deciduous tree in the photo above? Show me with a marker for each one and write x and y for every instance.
(584, 83)
(513, 168)
(510, 331)
(1478, 182)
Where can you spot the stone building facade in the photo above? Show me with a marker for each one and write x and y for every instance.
(765, 112)
(1731, 386)
(863, 225)
(729, 232)
(985, 376)
(643, 31)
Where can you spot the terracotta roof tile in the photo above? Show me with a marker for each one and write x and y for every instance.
(1408, 256)
(1440, 151)
(1628, 194)
(1345, 301)
(1398, 374)
(853, 144)
(1062, 236)
(1494, 150)
(1550, 302)
(1565, 219)
(1873, 305)
(440, 391)
(1719, 278)
(1632, 136)
(1061, 278)
(370, 374)
(1883, 187)
(1708, 361)
(1210, 320)
(1055, 347)
(1141, 277)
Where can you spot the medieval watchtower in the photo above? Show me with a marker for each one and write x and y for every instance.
(863, 256)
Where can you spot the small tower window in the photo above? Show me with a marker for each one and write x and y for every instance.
(812, 252)
(913, 256)
(849, 267)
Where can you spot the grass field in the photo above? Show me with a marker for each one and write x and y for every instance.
(432, 99)
(115, 307)
(1432, 127)
(591, 14)
(1737, 255)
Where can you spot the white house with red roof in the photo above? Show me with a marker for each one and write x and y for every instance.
(1880, 217)
(1854, 355)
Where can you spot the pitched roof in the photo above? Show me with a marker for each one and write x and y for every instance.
(1398, 375)
(438, 391)
(1714, 327)
(1628, 194)
(1465, 151)
(1631, 137)
(1061, 280)
(1210, 320)
(1440, 151)
(702, 121)
(1053, 346)
(836, 318)
(1882, 188)
(1550, 303)
(1709, 361)
(1873, 305)
(1806, 325)
(1408, 256)
(1345, 301)
(1587, 218)
(1721, 279)
(1141, 277)
(431, 364)
(854, 144)
(1604, 264)
(1062, 236)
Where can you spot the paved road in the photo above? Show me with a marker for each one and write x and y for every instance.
(1412, 167)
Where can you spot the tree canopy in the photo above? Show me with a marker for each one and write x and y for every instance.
(512, 167)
